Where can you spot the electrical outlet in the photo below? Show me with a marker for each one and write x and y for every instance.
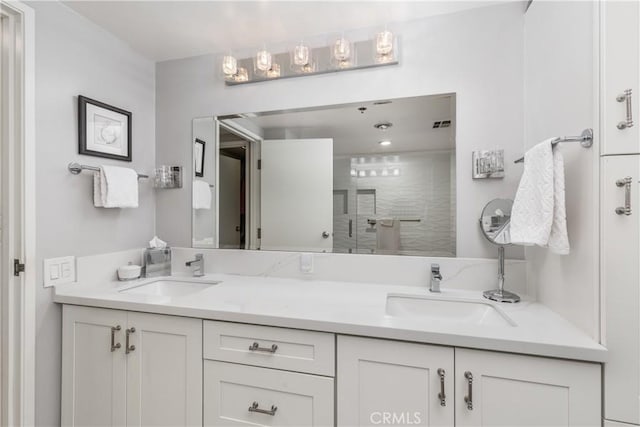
(306, 263)
(59, 270)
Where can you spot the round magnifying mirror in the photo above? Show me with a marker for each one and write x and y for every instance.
(495, 220)
(495, 224)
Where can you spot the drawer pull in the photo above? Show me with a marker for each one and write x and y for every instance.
(626, 183)
(255, 408)
(114, 345)
(256, 347)
(626, 97)
(469, 397)
(442, 396)
(129, 348)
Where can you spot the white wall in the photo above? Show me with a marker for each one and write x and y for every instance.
(74, 56)
(477, 54)
(560, 94)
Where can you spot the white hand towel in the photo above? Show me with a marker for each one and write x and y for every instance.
(117, 187)
(538, 216)
(201, 195)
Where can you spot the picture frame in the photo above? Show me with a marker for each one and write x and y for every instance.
(103, 130)
(198, 156)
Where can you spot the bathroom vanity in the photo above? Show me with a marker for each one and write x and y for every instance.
(239, 350)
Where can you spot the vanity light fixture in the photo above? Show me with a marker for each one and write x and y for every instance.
(342, 53)
(385, 143)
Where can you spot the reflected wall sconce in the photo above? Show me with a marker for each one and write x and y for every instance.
(305, 59)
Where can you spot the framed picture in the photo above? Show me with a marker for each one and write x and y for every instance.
(198, 155)
(103, 130)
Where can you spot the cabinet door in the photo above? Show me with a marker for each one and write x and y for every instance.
(620, 244)
(620, 34)
(498, 389)
(391, 382)
(164, 381)
(93, 371)
(240, 395)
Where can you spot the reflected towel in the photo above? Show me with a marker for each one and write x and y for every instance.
(539, 216)
(115, 187)
(388, 235)
(201, 195)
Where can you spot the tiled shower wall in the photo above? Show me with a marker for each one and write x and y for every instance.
(422, 198)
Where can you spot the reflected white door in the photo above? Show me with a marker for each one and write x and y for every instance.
(297, 195)
(229, 202)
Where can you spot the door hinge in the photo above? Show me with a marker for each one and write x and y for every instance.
(259, 233)
(259, 164)
(17, 267)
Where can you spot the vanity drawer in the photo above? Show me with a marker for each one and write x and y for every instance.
(278, 348)
(246, 395)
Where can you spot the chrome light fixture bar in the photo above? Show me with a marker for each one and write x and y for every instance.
(304, 60)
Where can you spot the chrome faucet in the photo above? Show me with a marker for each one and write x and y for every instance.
(436, 277)
(197, 265)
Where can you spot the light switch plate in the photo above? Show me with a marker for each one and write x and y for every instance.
(61, 270)
(306, 263)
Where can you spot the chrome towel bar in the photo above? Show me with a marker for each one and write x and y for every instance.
(585, 139)
(76, 168)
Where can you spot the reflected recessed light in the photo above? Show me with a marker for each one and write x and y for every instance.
(385, 143)
(383, 125)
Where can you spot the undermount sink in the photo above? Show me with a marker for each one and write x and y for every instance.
(170, 287)
(446, 310)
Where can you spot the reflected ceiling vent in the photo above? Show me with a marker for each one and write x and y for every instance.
(383, 125)
(442, 124)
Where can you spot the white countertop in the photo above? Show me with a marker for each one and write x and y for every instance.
(348, 308)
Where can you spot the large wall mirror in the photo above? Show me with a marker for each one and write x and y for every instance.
(376, 177)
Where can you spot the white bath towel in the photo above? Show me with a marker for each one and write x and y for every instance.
(201, 195)
(388, 236)
(538, 216)
(115, 187)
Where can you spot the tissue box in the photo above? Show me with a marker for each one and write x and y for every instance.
(157, 262)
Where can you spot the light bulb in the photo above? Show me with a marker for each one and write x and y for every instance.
(274, 71)
(396, 172)
(263, 60)
(385, 172)
(301, 55)
(342, 49)
(385, 143)
(229, 65)
(384, 42)
(362, 174)
(242, 75)
(373, 173)
(354, 172)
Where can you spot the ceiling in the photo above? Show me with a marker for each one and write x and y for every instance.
(164, 30)
(353, 132)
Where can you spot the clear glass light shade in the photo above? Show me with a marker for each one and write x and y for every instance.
(342, 49)
(263, 60)
(301, 55)
(384, 42)
(229, 65)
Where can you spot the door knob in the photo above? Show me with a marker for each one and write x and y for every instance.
(325, 234)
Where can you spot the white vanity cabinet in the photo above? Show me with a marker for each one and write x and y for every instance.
(620, 46)
(620, 269)
(259, 375)
(130, 369)
(390, 382)
(500, 389)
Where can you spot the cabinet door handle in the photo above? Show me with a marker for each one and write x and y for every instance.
(350, 228)
(626, 183)
(256, 347)
(129, 348)
(469, 397)
(255, 407)
(626, 97)
(442, 396)
(114, 345)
